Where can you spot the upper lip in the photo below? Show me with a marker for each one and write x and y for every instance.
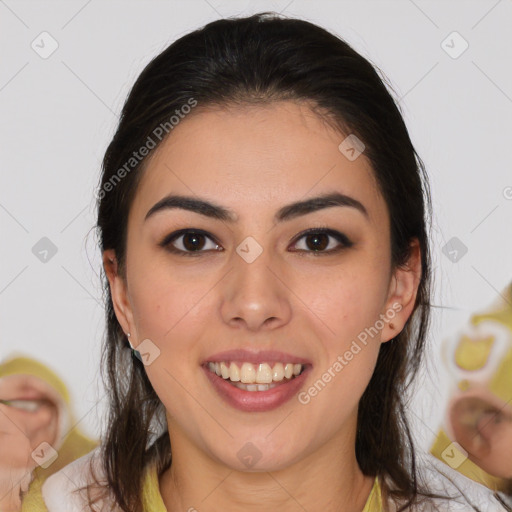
(256, 357)
(31, 390)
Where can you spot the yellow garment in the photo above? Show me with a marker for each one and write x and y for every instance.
(479, 358)
(467, 468)
(33, 501)
(459, 493)
(72, 444)
(152, 499)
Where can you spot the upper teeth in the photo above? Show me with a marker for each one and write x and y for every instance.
(261, 373)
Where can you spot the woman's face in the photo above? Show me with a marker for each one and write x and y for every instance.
(38, 420)
(254, 289)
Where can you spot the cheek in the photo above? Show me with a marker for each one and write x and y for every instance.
(350, 302)
(348, 350)
(14, 444)
(164, 300)
(348, 299)
(502, 448)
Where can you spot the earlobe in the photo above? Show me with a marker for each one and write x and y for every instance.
(118, 291)
(403, 289)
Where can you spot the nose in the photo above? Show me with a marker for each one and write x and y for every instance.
(255, 294)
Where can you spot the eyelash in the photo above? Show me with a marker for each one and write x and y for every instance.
(340, 237)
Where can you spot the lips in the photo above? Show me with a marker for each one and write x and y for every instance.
(264, 356)
(254, 396)
(28, 393)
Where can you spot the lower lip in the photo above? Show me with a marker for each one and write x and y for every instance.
(256, 401)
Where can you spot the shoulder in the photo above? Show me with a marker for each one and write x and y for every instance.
(461, 493)
(506, 498)
(67, 490)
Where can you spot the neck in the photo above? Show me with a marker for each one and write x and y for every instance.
(329, 479)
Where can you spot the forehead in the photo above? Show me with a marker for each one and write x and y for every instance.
(256, 156)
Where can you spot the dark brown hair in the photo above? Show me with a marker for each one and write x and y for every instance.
(260, 59)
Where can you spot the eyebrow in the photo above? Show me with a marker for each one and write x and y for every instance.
(285, 213)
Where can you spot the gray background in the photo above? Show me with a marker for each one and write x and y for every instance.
(58, 114)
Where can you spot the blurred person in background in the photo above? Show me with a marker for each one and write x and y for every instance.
(38, 436)
(475, 437)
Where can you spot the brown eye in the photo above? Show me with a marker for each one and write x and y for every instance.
(188, 241)
(318, 240)
(193, 241)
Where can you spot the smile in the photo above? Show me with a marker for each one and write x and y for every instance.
(256, 387)
(255, 377)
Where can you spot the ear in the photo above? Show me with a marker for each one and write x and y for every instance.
(403, 288)
(485, 432)
(119, 293)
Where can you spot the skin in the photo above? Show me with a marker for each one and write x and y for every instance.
(482, 425)
(311, 306)
(16, 463)
(21, 432)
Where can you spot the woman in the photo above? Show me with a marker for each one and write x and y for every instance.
(262, 218)
(38, 431)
